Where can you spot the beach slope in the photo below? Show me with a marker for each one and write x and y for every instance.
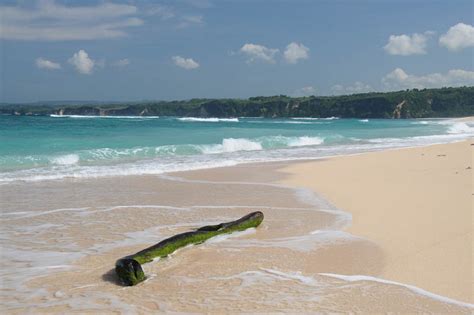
(416, 204)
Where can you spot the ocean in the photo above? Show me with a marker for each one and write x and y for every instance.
(56, 147)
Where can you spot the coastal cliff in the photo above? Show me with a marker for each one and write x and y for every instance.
(445, 102)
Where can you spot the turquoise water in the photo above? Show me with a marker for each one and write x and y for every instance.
(41, 148)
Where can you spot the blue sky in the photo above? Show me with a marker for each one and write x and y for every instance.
(163, 50)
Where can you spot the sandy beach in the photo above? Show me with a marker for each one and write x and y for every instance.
(346, 234)
(415, 203)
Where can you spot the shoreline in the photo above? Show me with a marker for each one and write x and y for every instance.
(224, 166)
(416, 188)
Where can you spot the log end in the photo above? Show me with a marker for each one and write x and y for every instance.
(129, 271)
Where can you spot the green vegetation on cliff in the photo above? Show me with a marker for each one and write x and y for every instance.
(445, 102)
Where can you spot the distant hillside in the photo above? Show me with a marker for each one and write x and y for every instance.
(445, 102)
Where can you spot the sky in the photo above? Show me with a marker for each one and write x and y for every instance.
(174, 50)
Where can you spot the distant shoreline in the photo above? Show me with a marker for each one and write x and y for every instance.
(426, 103)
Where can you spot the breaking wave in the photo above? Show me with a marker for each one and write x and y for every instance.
(453, 126)
(99, 116)
(68, 159)
(305, 141)
(460, 127)
(211, 119)
(232, 145)
(102, 156)
(315, 118)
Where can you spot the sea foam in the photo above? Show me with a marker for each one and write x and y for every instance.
(68, 159)
(315, 118)
(460, 127)
(102, 116)
(210, 119)
(232, 145)
(305, 141)
(355, 278)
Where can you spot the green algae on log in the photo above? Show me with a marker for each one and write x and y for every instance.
(129, 269)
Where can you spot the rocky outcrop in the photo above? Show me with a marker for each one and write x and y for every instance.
(397, 113)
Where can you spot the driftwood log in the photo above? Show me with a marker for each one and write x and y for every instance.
(129, 269)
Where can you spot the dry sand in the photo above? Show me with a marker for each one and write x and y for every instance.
(416, 204)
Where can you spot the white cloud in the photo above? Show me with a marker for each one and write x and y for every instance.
(399, 79)
(256, 52)
(294, 52)
(49, 21)
(185, 63)
(122, 62)
(406, 45)
(357, 87)
(82, 62)
(42, 63)
(305, 91)
(458, 37)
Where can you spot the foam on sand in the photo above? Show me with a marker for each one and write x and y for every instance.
(292, 276)
(355, 278)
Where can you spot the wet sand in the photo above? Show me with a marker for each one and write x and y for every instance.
(60, 240)
(416, 204)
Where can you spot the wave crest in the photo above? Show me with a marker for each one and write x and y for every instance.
(211, 119)
(305, 141)
(68, 159)
(232, 145)
(460, 127)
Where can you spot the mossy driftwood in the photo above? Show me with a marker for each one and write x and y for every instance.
(129, 269)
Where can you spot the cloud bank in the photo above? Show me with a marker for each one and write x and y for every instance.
(399, 79)
(49, 21)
